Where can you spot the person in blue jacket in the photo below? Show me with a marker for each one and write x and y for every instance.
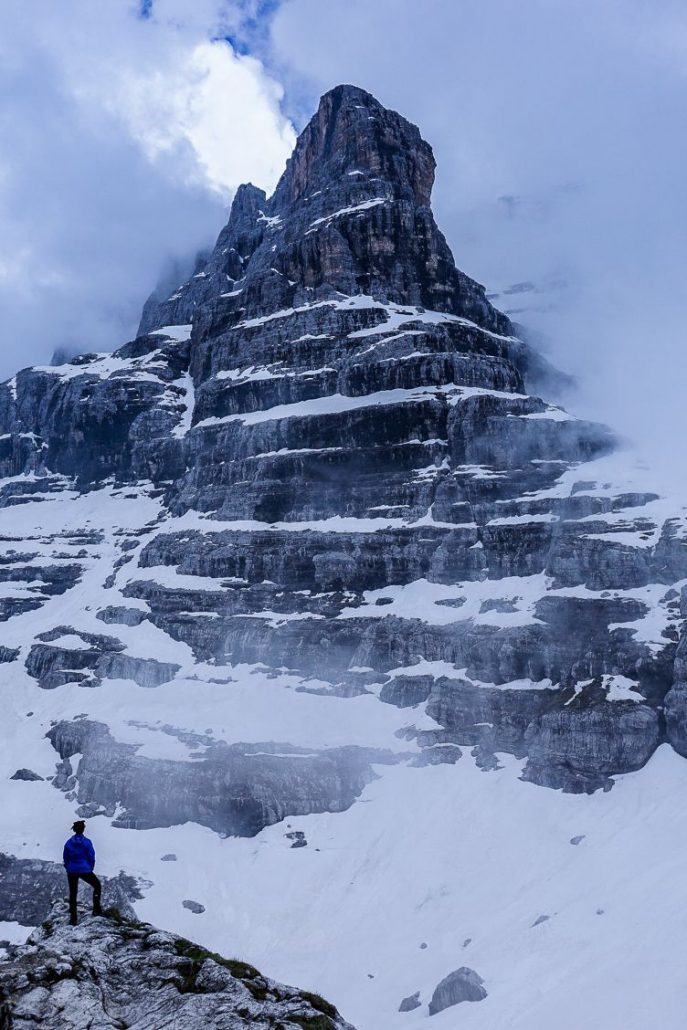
(79, 860)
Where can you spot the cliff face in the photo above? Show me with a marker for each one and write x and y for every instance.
(316, 522)
(385, 493)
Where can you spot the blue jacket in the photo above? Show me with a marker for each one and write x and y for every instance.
(79, 854)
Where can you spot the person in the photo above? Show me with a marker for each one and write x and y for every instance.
(79, 860)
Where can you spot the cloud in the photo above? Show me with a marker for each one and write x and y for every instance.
(123, 138)
(559, 131)
(558, 127)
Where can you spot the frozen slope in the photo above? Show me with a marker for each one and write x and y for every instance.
(436, 854)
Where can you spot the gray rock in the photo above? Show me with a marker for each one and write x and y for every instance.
(580, 749)
(110, 972)
(410, 1003)
(100, 658)
(462, 984)
(484, 759)
(297, 838)
(25, 774)
(442, 754)
(169, 858)
(540, 919)
(193, 906)
(121, 615)
(237, 789)
(578, 839)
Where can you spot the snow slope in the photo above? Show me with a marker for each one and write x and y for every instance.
(461, 860)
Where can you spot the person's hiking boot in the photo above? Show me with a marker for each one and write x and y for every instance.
(97, 910)
(73, 921)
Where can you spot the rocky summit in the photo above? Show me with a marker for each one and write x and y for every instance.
(316, 531)
(112, 972)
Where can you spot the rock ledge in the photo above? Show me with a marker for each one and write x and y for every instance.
(113, 972)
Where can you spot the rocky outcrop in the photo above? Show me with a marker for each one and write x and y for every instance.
(25, 774)
(115, 972)
(410, 1003)
(461, 985)
(676, 698)
(235, 789)
(580, 749)
(89, 658)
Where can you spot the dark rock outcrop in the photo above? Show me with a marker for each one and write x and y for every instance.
(581, 749)
(193, 906)
(235, 789)
(461, 985)
(97, 658)
(410, 1003)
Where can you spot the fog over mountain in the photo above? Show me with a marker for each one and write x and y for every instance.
(319, 608)
(559, 134)
(124, 139)
(557, 127)
(343, 579)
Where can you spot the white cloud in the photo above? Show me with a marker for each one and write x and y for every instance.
(123, 139)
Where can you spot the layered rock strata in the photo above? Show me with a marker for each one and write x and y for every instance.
(235, 790)
(348, 478)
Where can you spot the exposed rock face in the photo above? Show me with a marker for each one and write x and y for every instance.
(410, 1003)
(89, 658)
(236, 789)
(676, 699)
(353, 153)
(461, 985)
(590, 744)
(113, 973)
(25, 774)
(348, 482)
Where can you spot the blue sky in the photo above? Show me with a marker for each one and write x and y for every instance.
(127, 127)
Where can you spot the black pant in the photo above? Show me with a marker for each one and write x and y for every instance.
(94, 882)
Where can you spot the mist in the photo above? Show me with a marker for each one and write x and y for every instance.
(559, 133)
(558, 128)
(125, 131)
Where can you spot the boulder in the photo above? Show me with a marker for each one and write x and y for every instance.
(462, 984)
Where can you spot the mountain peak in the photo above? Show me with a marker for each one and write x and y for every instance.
(350, 215)
(296, 580)
(351, 131)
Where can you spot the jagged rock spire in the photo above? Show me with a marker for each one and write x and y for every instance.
(352, 132)
(350, 215)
